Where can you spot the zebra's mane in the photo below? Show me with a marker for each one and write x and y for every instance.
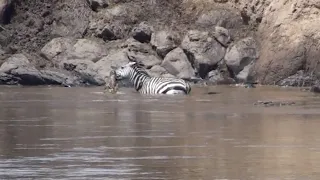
(140, 69)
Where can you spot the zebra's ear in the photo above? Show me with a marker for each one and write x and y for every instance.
(131, 63)
(140, 64)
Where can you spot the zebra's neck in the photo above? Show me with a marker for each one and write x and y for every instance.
(138, 77)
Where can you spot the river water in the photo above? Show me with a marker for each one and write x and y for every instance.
(81, 133)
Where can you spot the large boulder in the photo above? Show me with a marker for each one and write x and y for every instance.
(18, 70)
(55, 47)
(157, 71)
(115, 58)
(288, 37)
(141, 52)
(164, 42)
(78, 57)
(21, 71)
(112, 31)
(82, 50)
(241, 56)
(14, 62)
(176, 63)
(203, 51)
(86, 70)
(60, 77)
(142, 32)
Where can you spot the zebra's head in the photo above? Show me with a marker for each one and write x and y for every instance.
(124, 71)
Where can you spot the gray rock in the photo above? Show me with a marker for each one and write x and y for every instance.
(115, 58)
(289, 38)
(28, 75)
(167, 75)
(142, 32)
(300, 79)
(86, 70)
(142, 53)
(21, 71)
(18, 70)
(95, 5)
(222, 35)
(176, 63)
(243, 75)
(82, 50)
(14, 62)
(79, 58)
(315, 89)
(111, 31)
(60, 77)
(55, 47)
(216, 77)
(202, 50)
(157, 71)
(241, 55)
(8, 79)
(164, 42)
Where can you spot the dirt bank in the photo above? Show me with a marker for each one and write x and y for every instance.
(221, 41)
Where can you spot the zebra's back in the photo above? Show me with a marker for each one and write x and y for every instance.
(161, 85)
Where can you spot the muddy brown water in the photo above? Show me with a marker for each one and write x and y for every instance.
(81, 133)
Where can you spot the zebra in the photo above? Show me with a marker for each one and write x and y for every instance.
(145, 84)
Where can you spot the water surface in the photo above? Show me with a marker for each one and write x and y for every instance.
(81, 133)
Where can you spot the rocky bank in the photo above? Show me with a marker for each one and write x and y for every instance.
(75, 42)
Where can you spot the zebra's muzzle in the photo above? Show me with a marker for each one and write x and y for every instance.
(118, 77)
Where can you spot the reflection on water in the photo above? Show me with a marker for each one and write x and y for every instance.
(80, 133)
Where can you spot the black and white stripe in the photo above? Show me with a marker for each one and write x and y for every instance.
(145, 84)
